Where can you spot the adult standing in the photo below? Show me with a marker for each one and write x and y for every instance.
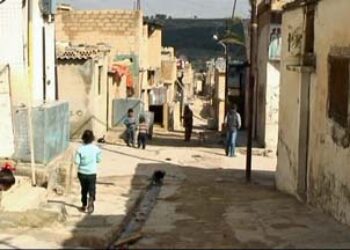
(188, 123)
(233, 124)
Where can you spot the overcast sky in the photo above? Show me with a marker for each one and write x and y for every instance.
(174, 8)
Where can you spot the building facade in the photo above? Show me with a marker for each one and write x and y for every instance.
(268, 72)
(83, 83)
(29, 87)
(313, 147)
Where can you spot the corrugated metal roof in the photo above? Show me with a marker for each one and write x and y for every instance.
(81, 52)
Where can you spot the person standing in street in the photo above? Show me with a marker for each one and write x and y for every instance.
(143, 133)
(87, 158)
(130, 123)
(233, 124)
(188, 122)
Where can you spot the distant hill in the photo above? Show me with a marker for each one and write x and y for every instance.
(193, 38)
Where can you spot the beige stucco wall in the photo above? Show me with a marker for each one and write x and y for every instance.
(268, 81)
(328, 172)
(155, 48)
(78, 86)
(121, 29)
(288, 141)
(219, 98)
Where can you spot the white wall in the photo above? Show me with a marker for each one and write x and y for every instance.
(272, 104)
(11, 53)
(38, 72)
(6, 128)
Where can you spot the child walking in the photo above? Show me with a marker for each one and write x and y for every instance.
(87, 157)
(143, 133)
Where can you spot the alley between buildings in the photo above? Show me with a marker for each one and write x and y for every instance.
(204, 202)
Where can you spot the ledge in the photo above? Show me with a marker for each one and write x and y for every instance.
(301, 68)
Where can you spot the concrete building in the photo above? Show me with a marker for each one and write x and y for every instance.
(28, 83)
(313, 147)
(219, 94)
(123, 30)
(268, 72)
(169, 79)
(83, 83)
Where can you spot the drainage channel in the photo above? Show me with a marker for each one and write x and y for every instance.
(131, 232)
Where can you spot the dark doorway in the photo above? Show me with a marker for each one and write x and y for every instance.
(158, 113)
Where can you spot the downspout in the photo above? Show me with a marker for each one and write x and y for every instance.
(30, 89)
(44, 64)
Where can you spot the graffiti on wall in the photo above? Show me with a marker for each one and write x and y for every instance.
(295, 39)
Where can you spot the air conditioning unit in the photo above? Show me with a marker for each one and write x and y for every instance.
(48, 7)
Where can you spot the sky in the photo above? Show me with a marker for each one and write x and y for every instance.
(174, 8)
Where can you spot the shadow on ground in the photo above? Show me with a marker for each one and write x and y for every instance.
(215, 208)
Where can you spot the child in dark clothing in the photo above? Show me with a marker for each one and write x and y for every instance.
(143, 133)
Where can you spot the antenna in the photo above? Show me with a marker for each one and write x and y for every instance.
(138, 6)
(234, 8)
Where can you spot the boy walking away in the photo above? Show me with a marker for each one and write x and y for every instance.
(130, 123)
(143, 133)
(233, 124)
(87, 157)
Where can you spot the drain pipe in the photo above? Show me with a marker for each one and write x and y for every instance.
(30, 89)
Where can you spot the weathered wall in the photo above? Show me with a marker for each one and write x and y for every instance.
(78, 86)
(219, 98)
(329, 157)
(155, 48)
(328, 148)
(118, 28)
(11, 44)
(262, 59)
(272, 104)
(288, 141)
(6, 128)
(268, 82)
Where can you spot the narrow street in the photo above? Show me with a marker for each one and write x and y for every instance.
(203, 203)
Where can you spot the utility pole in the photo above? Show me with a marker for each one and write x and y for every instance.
(138, 5)
(234, 9)
(252, 74)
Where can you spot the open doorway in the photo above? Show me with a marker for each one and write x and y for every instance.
(158, 114)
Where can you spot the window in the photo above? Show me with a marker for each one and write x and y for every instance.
(310, 30)
(150, 77)
(100, 69)
(338, 85)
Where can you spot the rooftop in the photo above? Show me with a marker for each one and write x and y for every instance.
(66, 51)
